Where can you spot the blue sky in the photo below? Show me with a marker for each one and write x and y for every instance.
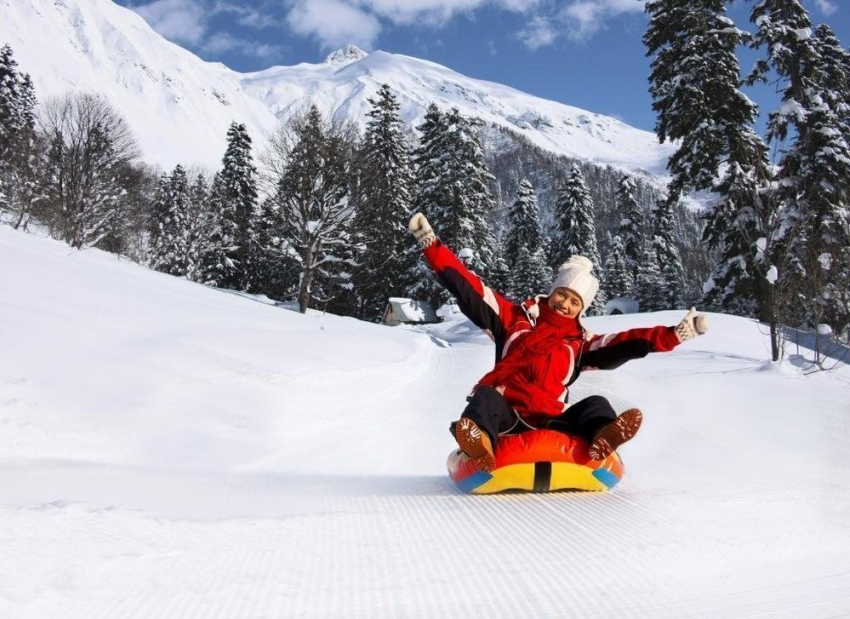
(586, 53)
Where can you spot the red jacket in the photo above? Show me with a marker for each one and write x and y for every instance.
(539, 389)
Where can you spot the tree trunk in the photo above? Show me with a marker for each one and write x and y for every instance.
(774, 340)
(304, 290)
(768, 315)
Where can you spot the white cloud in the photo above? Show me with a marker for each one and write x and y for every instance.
(827, 7)
(538, 33)
(434, 13)
(519, 6)
(584, 18)
(615, 7)
(334, 23)
(257, 17)
(581, 18)
(187, 22)
(182, 21)
(222, 42)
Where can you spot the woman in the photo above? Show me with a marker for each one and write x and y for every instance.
(541, 348)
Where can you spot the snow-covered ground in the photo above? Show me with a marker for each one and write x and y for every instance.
(169, 450)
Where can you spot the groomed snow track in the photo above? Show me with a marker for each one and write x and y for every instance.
(173, 464)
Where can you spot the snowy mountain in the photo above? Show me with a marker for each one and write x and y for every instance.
(169, 450)
(180, 106)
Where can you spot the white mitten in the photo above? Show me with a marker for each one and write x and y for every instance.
(692, 325)
(421, 229)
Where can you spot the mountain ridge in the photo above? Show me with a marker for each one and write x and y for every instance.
(179, 106)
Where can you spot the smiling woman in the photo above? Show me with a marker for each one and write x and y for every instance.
(541, 348)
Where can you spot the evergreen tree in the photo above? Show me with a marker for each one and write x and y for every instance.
(466, 178)
(19, 153)
(313, 194)
(383, 208)
(530, 274)
(834, 298)
(159, 217)
(277, 272)
(695, 82)
(813, 187)
(671, 291)
(170, 229)
(576, 231)
(648, 287)
(499, 276)
(428, 161)
(452, 191)
(218, 268)
(431, 193)
(199, 227)
(618, 277)
(239, 197)
(631, 227)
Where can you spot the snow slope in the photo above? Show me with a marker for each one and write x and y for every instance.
(180, 106)
(169, 450)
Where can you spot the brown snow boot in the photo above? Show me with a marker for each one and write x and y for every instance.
(475, 443)
(609, 437)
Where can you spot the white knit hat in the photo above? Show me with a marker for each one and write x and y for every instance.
(575, 275)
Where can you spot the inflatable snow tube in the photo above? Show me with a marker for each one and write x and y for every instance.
(537, 461)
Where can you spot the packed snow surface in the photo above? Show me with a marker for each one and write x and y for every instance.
(171, 450)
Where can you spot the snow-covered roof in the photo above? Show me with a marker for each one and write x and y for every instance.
(411, 310)
(622, 305)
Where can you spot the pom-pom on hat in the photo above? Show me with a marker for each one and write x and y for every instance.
(575, 275)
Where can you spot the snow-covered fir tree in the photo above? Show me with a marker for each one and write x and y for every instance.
(813, 182)
(170, 225)
(218, 267)
(499, 274)
(835, 83)
(160, 218)
(452, 190)
(468, 180)
(619, 281)
(383, 202)
(649, 287)
(575, 230)
(313, 192)
(430, 194)
(631, 228)
(239, 207)
(671, 291)
(695, 81)
(20, 189)
(199, 226)
(529, 273)
(276, 270)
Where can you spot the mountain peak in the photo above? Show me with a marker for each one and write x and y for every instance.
(349, 53)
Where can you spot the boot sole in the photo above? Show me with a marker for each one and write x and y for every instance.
(471, 440)
(622, 429)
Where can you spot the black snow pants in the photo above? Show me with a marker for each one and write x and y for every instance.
(491, 412)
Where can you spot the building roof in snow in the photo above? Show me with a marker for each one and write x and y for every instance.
(410, 310)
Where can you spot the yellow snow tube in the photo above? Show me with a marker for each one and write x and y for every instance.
(537, 461)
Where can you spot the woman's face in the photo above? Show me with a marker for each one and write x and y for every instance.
(565, 302)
